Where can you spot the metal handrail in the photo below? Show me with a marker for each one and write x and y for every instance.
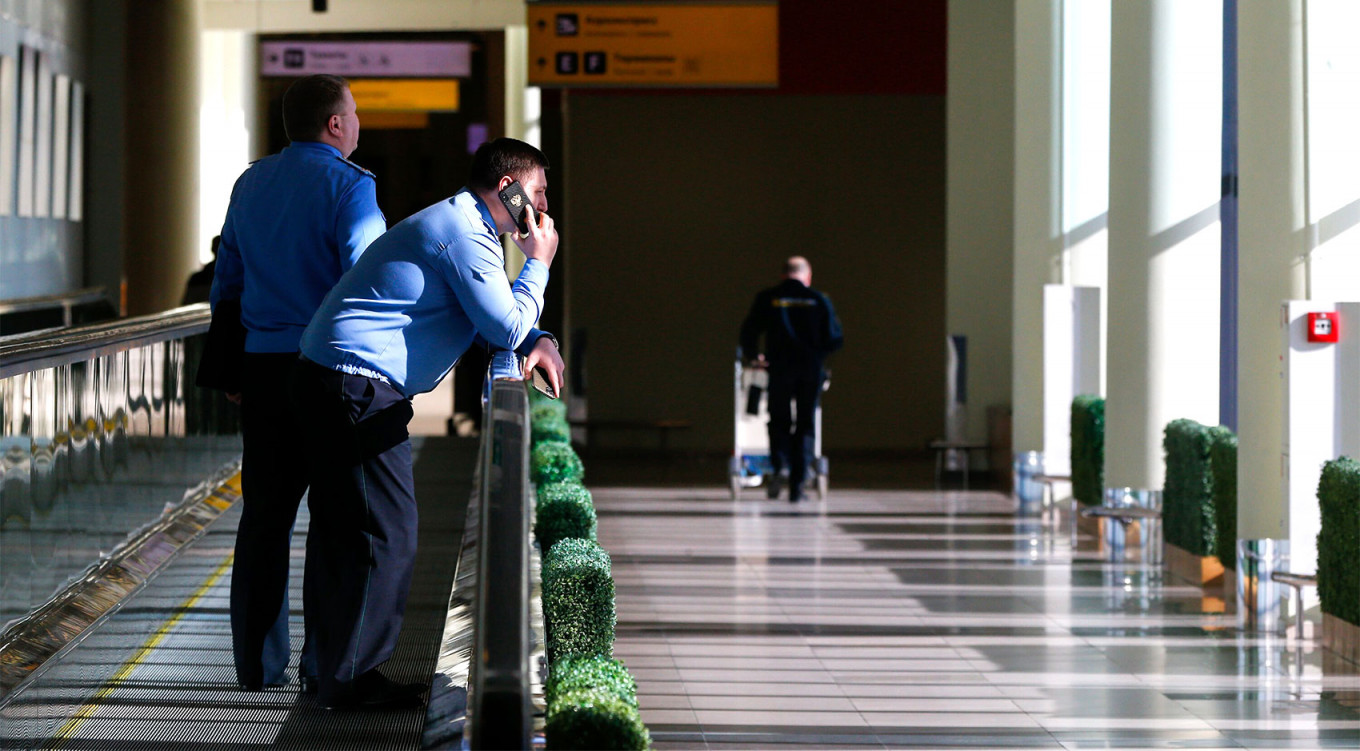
(500, 709)
(64, 300)
(45, 349)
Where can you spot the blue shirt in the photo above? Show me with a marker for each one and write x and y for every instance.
(297, 220)
(422, 294)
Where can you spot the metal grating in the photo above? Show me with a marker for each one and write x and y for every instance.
(170, 649)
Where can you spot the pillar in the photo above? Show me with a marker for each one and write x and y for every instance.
(1165, 134)
(161, 142)
(1272, 246)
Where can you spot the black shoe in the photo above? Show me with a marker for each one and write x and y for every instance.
(373, 690)
(308, 684)
(775, 486)
(796, 495)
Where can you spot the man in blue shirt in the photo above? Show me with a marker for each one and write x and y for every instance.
(393, 326)
(296, 222)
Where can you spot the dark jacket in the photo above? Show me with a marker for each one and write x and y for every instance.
(798, 323)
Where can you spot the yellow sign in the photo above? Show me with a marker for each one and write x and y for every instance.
(404, 95)
(688, 45)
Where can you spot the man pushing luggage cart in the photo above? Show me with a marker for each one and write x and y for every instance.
(799, 328)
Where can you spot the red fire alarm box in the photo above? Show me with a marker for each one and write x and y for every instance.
(1322, 327)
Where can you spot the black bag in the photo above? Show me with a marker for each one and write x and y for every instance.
(224, 351)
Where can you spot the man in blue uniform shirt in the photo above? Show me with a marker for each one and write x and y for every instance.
(393, 326)
(297, 220)
(800, 329)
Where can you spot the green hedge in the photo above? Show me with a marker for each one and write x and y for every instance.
(1088, 449)
(1223, 468)
(1187, 497)
(1338, 542)
(570, 674)
(564, 510)
(589, 719)
(549, 429)
(555, 462)
(547, 409)
(578, 600)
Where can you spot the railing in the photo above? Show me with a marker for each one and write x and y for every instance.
(21, 315)
(500, 712)
(103, 438)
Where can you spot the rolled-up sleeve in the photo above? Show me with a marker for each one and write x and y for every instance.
(503, 314)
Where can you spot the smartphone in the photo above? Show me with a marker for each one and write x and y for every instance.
(540, 382)
(518, 204)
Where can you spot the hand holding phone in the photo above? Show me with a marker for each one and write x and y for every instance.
(537, 236)
(518, 204)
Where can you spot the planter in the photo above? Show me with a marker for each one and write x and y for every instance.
(1341, 637)
(1200, 570)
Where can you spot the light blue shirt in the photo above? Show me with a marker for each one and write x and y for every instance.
(420, 296)
(297, 220)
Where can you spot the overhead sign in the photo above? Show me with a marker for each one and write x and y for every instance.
(372, 59)
(404, 95)
(687, 45)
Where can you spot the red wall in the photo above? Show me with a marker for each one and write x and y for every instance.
(862, 47)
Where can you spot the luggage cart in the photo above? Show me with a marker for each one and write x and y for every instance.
(750, 465)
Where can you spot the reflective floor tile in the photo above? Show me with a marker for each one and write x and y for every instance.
(714, 718)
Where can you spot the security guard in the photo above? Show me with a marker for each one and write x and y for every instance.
(392, 328)
(800, 329)
(297, 221)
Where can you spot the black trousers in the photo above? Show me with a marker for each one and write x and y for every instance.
(790, 442)
(273, 480)
(361, 546)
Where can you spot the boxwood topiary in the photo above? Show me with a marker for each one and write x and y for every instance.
(549, 430)
(585, 719)
(564, 510)
(570, 674)
(555, 462)
(1187, 496)
(578, 600)
(547, 409)
(1339, 539)
(1088, 449)
(1223, 467)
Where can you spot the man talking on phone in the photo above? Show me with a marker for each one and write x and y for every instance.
(393, 327)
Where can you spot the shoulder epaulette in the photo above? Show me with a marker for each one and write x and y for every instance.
(355, 166)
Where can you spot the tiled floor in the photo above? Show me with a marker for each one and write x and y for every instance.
(882, 619)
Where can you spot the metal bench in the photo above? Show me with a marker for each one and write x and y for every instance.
(1298, 582)
(941, 447)
(1149, 537)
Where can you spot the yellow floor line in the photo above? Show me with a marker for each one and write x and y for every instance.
(112, 684)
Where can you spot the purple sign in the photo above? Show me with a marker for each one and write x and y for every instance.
(367, 59)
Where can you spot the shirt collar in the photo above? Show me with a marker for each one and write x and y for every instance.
(484, 210)
(314, 146)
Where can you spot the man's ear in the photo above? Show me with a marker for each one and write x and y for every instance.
(504, 181)
(333, 125)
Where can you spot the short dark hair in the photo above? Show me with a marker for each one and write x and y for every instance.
(503, 156)
(309, 103)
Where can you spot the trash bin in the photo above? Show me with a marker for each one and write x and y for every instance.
(1028, 465)
(1262, 602)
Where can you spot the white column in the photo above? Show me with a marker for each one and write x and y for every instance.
(1165, 120)
(1038, 236)
(1271, 249)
